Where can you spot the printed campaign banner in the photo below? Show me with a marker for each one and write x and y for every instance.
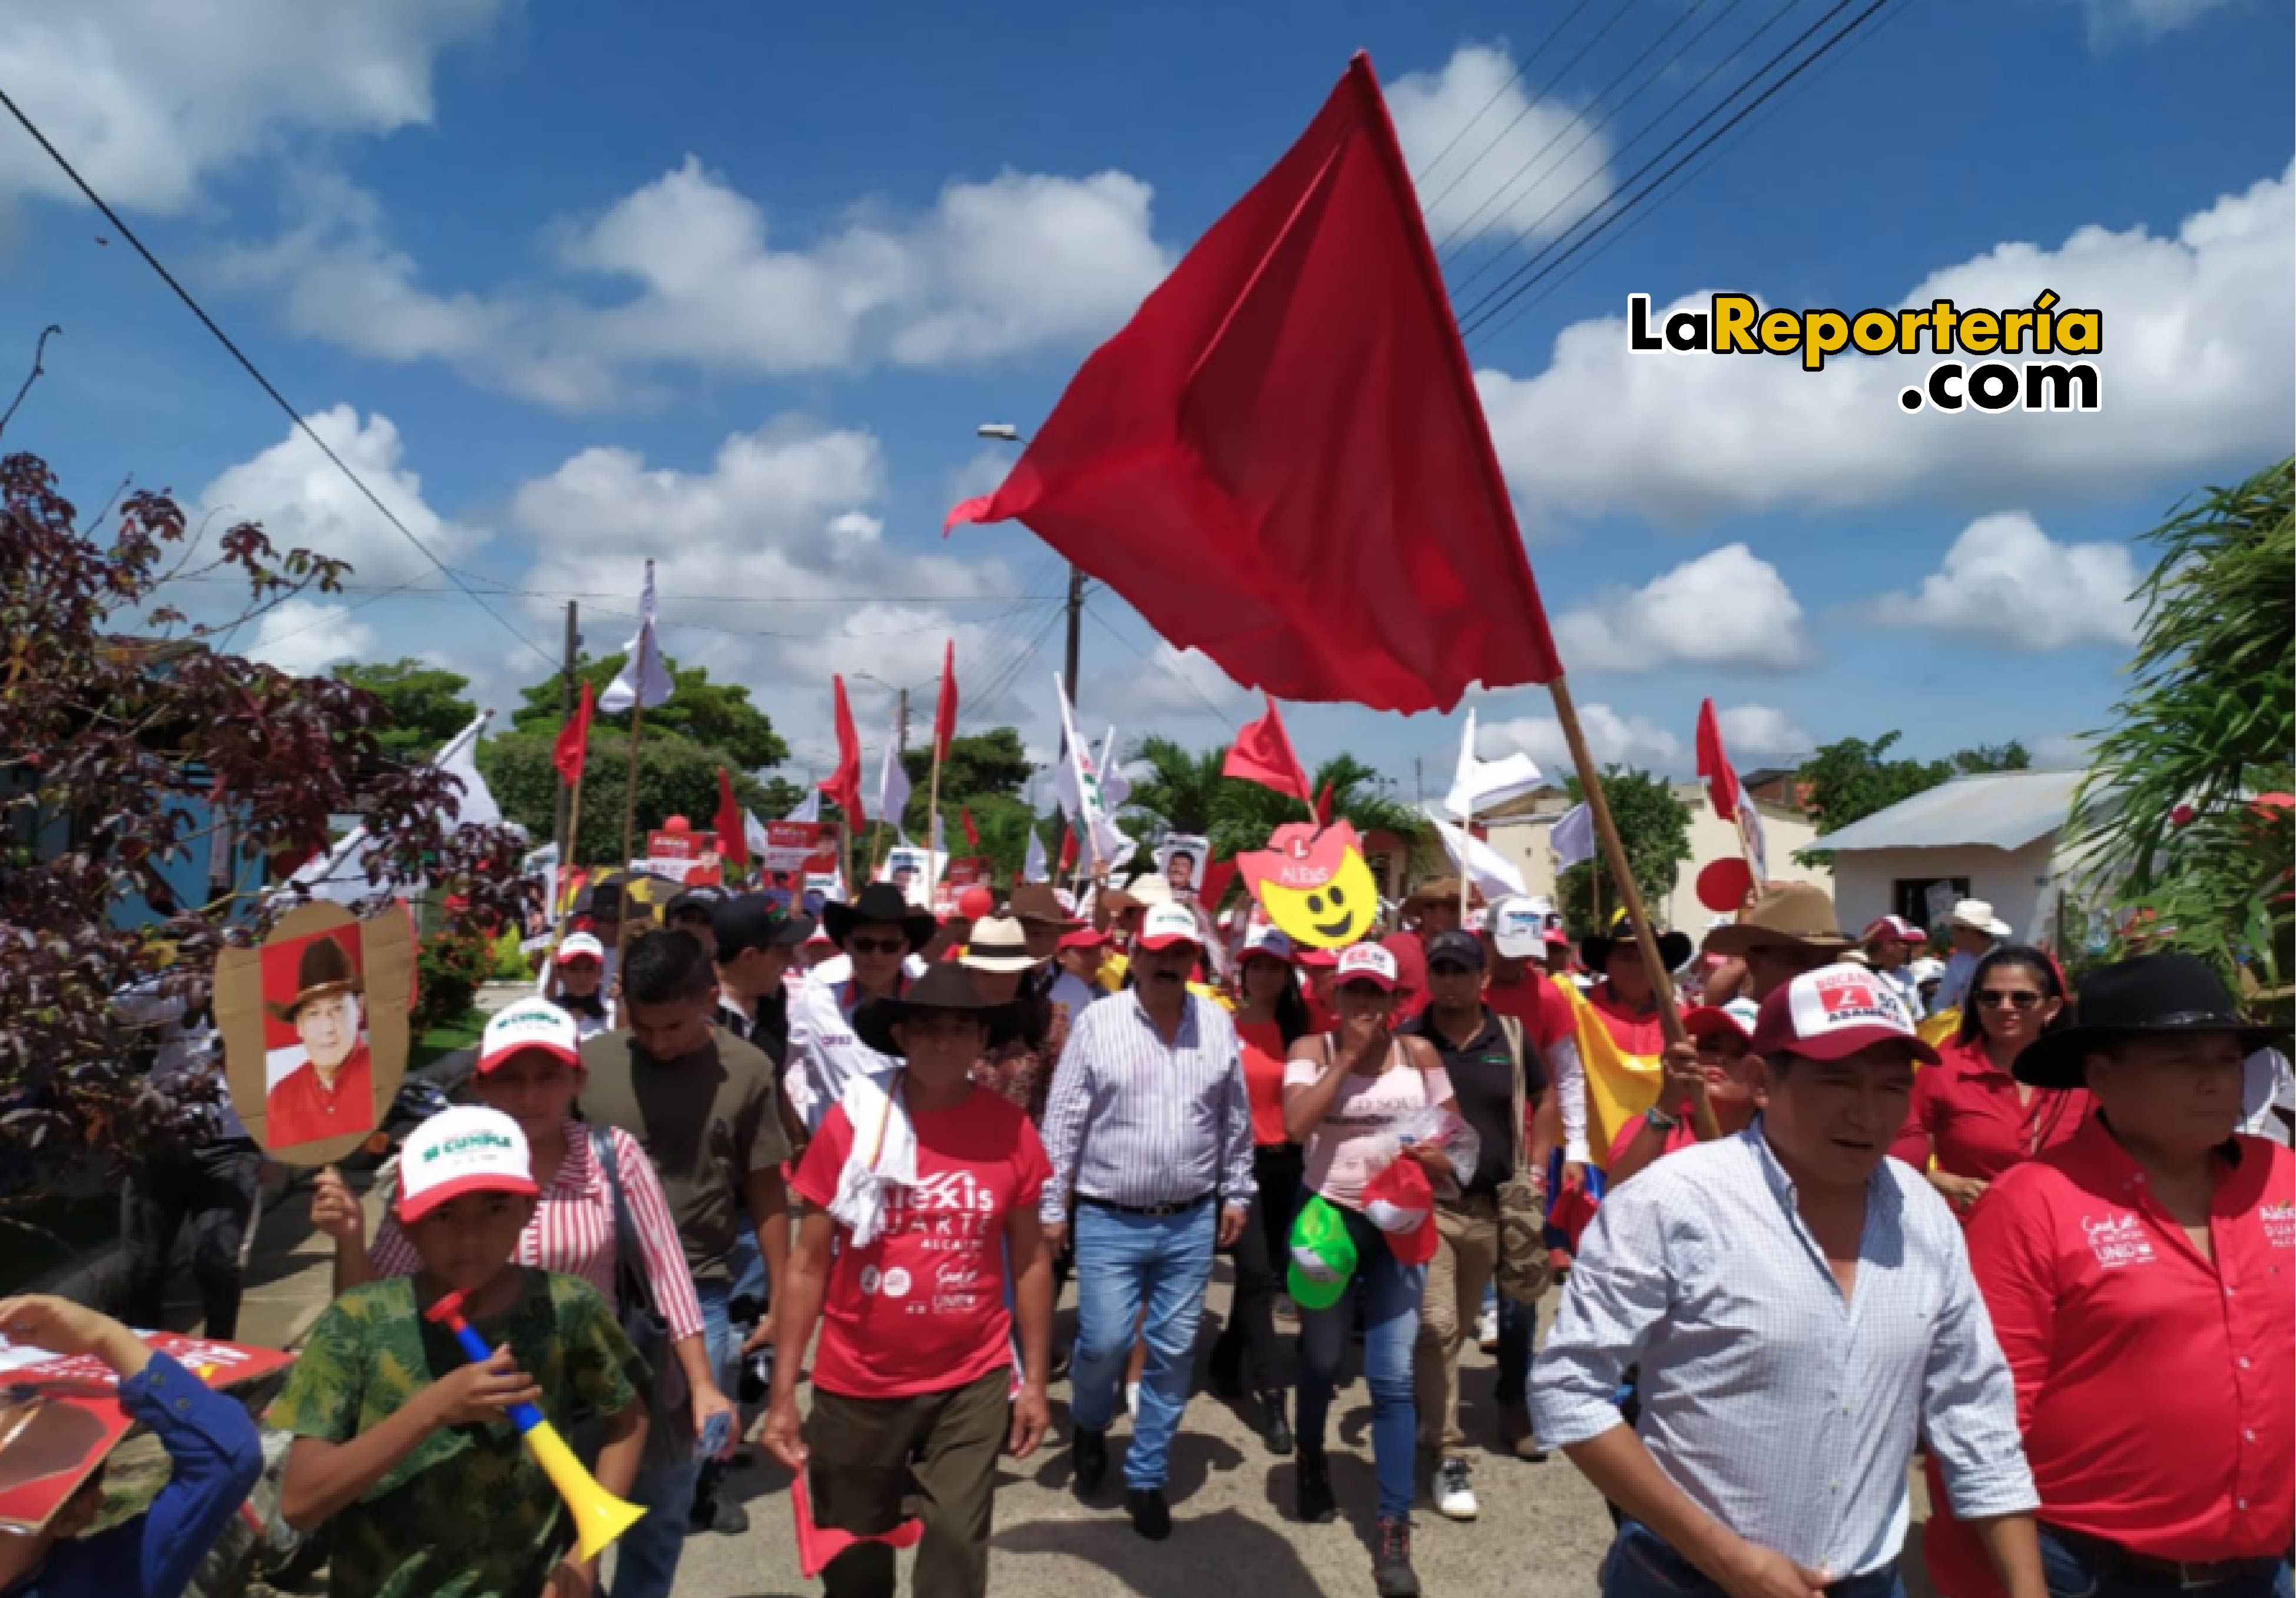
(691, 858)
(60, 1417)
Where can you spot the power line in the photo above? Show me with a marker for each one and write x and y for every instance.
(1499, 299)
(1689, 179)
(1162, 665)
(1528, 106)
(262, 382)
(1513, 78)
(1588, 130)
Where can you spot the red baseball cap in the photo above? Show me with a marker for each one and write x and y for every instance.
(1708, 1020)
(1318, 959)
(1085, 938)
(1894, 926)
(1832, 1013)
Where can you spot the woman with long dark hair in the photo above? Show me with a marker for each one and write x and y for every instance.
(1971, 1120)
(1271, 1014)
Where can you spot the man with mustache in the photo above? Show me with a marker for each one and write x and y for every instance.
(1149, 1125)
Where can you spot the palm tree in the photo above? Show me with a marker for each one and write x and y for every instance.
(1184, 792)
(1180, 790)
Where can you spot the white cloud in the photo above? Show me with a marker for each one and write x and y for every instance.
(1515, 168)
(1171, 683)
(2006, 581)
(1020, 262)
(1612, 739)
(148, 97)
(2196, 373)
(2146, 20)
(1728, 608)
(303, 502)
(1762, 729)
(303, 636)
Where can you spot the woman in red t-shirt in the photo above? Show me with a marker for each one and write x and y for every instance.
(1970, 1119)
(914, 1376)
(1270, 1016)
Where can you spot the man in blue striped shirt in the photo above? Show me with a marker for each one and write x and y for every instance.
(1149, 1128)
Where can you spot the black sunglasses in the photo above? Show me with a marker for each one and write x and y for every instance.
(2016, 999)
(878, 945)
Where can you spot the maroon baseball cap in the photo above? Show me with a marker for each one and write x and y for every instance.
(1832, 1013)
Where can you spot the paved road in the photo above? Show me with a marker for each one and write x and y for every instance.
(1542, 1530)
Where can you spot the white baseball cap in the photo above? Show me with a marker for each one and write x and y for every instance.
(1166, 925)
(466, 1149)
(581, 946)
(1517, 928)
(530, 1023)
(1832, 1013)
(1367, 963)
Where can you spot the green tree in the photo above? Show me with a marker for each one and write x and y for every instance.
(1850, 779)
(677, 776)
(980, 762)
(2169, 809)
(717, 715)
(1183, 791)
(1654, 827)
(422, 703)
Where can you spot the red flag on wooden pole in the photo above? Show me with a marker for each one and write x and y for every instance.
(573, 747)
(844, 784)
(945, 713)
(1262, 754)
(1714, 763)
(733, 831)
(1282, 460)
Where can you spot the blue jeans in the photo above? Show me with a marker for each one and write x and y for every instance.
(1123, 1262)
(1641, 1565)
(1390, 1293)
(2074, 1572)
(645, 1558)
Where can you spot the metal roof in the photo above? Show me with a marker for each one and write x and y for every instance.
(2001, 809)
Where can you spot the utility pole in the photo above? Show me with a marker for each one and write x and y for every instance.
(1076, 622)
(566, 696)
(901, 723)
(1419, 780)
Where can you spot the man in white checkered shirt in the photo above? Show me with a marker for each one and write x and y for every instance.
(1802, 1312)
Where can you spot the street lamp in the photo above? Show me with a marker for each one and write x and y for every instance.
(1007, 433)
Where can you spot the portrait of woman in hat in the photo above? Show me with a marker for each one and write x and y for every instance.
(321, 1080)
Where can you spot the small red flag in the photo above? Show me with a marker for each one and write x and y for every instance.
(1323, 806)
(1262, 754)
(1069, 850)
(1714, 763)
(733, 829)
(574, 742)
(1282, 460)
(844, 784)
(1218, 875)
(945, 714)
(965, 819)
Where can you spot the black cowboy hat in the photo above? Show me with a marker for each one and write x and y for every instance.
(1594, 949)
(881, 902)
(943, 987)
(2154, 995)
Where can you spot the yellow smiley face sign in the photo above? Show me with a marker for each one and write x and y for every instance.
(1314, 885)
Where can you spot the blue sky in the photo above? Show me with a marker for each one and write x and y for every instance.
(733, 288)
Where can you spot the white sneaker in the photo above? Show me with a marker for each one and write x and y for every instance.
(1131, 1399)
(1454, 1493)
(1487, 1328)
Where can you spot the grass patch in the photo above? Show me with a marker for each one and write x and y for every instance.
(463, 1031)
(39, 1232)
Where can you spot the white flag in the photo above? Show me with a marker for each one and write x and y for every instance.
(1574, 837)
(1078, 785)
(753, 833)
(339, 874)
(1494, 875)
(1481, 784)
(643, 679)
(892, 782)
(1033, 868)
(808, 809)
(1115, 786)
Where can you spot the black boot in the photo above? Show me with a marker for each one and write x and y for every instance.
(1152, 1517)
(1315, 1503)
(1226, 1367)
(1089, 1452)
(1390, 1563)
(1277, 1430)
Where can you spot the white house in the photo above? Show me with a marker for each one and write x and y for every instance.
(1992, 837)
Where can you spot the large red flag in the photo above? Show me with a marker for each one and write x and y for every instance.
(1262, 754)
(844, 784)
(733, 825)
(1714, 763)
(945, 714)
(1281, 461)
(574, 742)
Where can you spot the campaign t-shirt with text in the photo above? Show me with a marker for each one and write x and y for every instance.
(922, 1309)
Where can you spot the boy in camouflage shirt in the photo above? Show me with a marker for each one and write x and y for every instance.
(403, 1445)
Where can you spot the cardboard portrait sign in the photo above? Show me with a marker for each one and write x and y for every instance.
(315, 1028)
(1180, 861)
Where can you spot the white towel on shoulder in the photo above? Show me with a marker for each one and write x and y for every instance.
(883, 1155)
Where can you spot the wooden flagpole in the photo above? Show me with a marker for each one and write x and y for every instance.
(1614, 851)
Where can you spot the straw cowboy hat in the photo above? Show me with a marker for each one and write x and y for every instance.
(1435, 890)
(1788, 915)
(1034, 901)
(998, 944)
(2151, 996)
(1144, 892)
(326, 970)
(1977, 916)
(943, 987)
